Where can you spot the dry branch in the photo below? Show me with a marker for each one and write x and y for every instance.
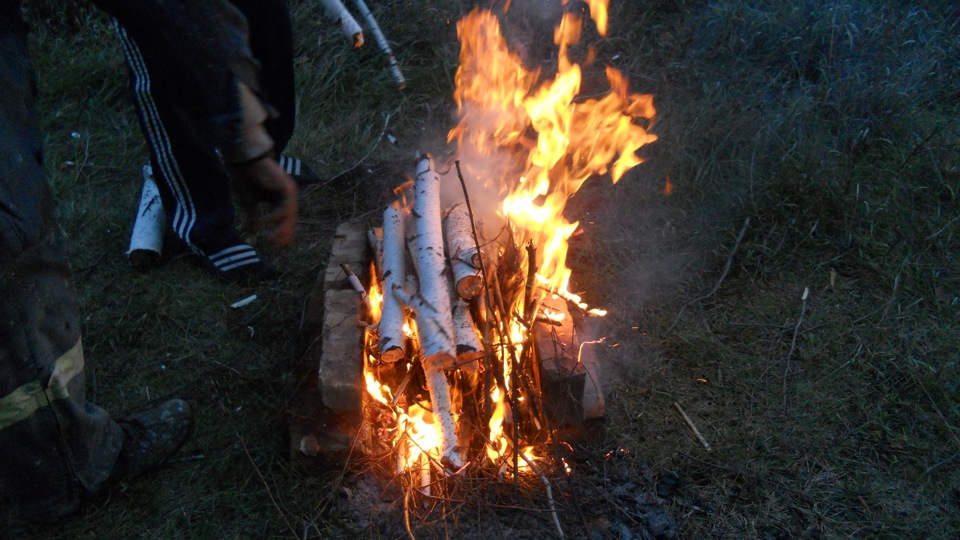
(691, 425)
(375, 238)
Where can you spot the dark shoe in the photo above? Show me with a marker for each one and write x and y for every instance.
(302, 174)
(152, 436)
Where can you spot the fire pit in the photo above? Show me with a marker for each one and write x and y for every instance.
(449, 342)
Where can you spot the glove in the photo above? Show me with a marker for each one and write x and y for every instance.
(262, 182)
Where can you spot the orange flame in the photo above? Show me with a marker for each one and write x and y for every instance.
(555, 140)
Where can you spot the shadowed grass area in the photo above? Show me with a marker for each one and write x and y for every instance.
(832, 126)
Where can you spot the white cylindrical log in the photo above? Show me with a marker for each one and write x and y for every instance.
(437, 383)
(336, 11)
(381, 42)
(394, 273)
(439, 349)
(146, 239)
(462, 250)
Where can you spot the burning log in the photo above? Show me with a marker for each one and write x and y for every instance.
(432, 305)
(438, 345)
(348, 25)
(469, 349)
(461, 247)
(394, 273)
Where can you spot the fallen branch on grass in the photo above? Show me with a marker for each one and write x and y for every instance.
(726, 270)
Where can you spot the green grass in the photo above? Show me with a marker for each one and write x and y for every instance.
(831, 125)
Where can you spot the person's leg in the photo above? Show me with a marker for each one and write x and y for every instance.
(54, 446)
(192, 181)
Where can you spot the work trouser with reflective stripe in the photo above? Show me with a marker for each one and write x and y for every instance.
(54, 447)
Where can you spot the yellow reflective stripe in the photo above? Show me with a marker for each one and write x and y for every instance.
(25, 400)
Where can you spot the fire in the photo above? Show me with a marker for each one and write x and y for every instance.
(502, 104)
(532, 141)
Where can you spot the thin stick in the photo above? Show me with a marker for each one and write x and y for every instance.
(406, 514)
(726, 270)
(546, 485)
(690, 425)
(793, 343)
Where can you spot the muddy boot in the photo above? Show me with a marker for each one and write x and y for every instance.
(152, 436)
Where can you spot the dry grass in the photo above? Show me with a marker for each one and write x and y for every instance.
(831, 125)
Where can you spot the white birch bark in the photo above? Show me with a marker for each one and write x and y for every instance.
(381, 42)
(146, 239)
(437, 383)
(390, 328)
(437, 339)
(348, 25)
(462, 250)
(432, 305)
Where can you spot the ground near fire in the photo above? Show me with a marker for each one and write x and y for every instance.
(782, 268)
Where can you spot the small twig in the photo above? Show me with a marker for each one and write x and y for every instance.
(406, 514)
(945, 227)
(726, 270)
(793, 343)
(386, 123)
(690, 425)
(549, 490)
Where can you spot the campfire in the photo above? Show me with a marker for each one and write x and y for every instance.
(464, 314)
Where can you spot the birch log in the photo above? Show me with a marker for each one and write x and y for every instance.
(381, 42)
(434, 318)
(146, 239)
(437, 383)
(394, 273)
(348, 25)
(462, 250)
(469, 349)
(428, 254)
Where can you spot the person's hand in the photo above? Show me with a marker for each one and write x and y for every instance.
(262, 181)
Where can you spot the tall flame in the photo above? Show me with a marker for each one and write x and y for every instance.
(544, 141)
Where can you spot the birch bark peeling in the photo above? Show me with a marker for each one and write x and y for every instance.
(336, 11)
(390, 328)
(462, 249)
